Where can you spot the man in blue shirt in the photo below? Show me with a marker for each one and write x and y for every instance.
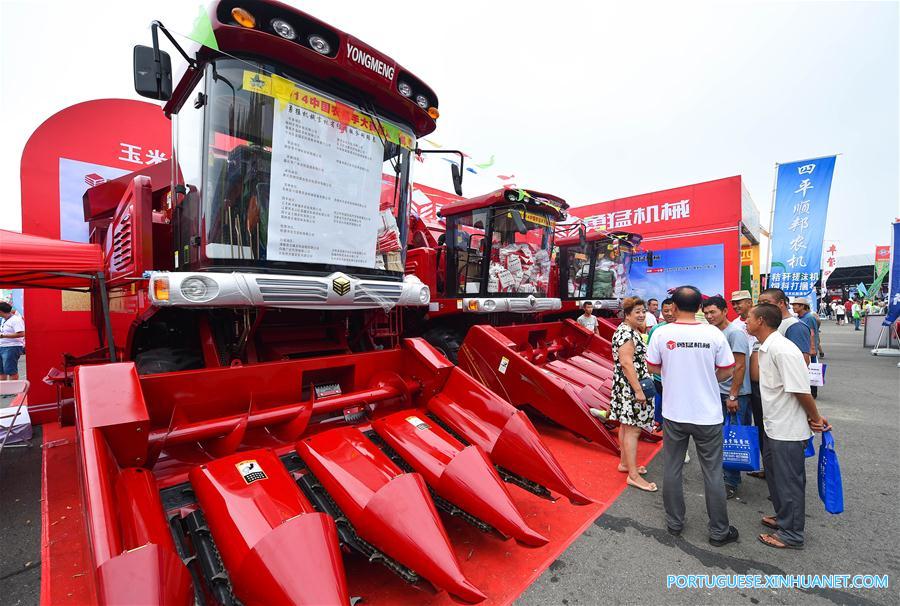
(801, 307)
(793, 329)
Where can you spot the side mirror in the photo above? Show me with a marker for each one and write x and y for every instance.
(649, 258)
(519, 222)
(152, 73)
(457, 179)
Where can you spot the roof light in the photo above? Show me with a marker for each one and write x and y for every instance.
(284, 29)
(473, 304)
(405, 89)
(422, 101)
(319, 44)
(243, 17)
(490, 305)
(434, 113)
(161, 289)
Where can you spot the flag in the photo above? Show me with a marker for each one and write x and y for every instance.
(203, 31)
(487, 164)
(861, 289)
(876, 285)
(798, 225)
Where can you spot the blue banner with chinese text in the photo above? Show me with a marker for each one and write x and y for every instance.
(798, 225)
(894, 291)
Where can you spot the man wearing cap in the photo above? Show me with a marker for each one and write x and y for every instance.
(801, 307)
(742, 303)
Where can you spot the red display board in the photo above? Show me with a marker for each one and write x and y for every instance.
(694, 215)
(76, 148)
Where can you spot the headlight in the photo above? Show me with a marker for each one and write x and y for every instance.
(424, 295)
(319, 44)
(405, 89)
(489, 305)
(284, 29)
(422, 101)
(197, 288)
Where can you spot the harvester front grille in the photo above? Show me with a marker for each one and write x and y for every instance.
(525, 306)
(377, 292)
(281, 290)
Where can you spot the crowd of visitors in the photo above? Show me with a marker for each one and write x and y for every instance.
(684, 376)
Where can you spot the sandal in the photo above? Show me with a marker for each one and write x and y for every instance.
(650, 488)
(641, 469)
(772, 541)
(770, 522)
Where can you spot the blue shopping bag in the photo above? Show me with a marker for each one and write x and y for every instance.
(831, 488)
(810, 448)
(740, 446)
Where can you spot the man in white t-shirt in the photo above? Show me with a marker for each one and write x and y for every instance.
(12, 342)
(693, 358)
(790, 416)
(588, 319)
(652, 317)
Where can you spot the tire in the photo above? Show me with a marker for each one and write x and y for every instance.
(445, 340)
(166, 359)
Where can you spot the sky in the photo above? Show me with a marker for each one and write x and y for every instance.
(588, 100)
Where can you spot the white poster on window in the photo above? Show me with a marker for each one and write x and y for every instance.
(325, 190)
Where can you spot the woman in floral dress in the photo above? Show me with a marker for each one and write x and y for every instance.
(628, 404)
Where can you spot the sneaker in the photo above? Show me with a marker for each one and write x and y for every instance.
(600, 414)
(731, 537)
(730, 491)
(687, 457)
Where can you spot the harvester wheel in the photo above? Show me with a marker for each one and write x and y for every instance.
(446, 340)
(166, 359)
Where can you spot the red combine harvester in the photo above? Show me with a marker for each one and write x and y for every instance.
(492, 264)
(265, 413)
(492, 270)
(559, 368)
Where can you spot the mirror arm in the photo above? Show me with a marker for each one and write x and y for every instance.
(158, 25)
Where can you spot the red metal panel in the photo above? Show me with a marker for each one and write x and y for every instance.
(388, 508)
(461, 474)
(504, 433)
(263, 526)
(147, 575)
(109, 397)
(522, 380)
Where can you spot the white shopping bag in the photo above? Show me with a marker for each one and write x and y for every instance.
(817, 374)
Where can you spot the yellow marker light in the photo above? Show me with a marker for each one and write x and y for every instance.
(434, 113)
(243, 17)
(161, 289)
(473, 305)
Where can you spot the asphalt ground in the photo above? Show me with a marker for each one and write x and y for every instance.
(20, 519)
(626, 556)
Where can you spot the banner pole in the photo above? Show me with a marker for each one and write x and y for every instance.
(771, 228)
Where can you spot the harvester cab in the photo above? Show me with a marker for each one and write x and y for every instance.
(498, 249)
(593, 266)
(287, 198)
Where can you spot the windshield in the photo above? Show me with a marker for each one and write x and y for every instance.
(579, 267)
(612, 263)
(296, 178)
(518, 263)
